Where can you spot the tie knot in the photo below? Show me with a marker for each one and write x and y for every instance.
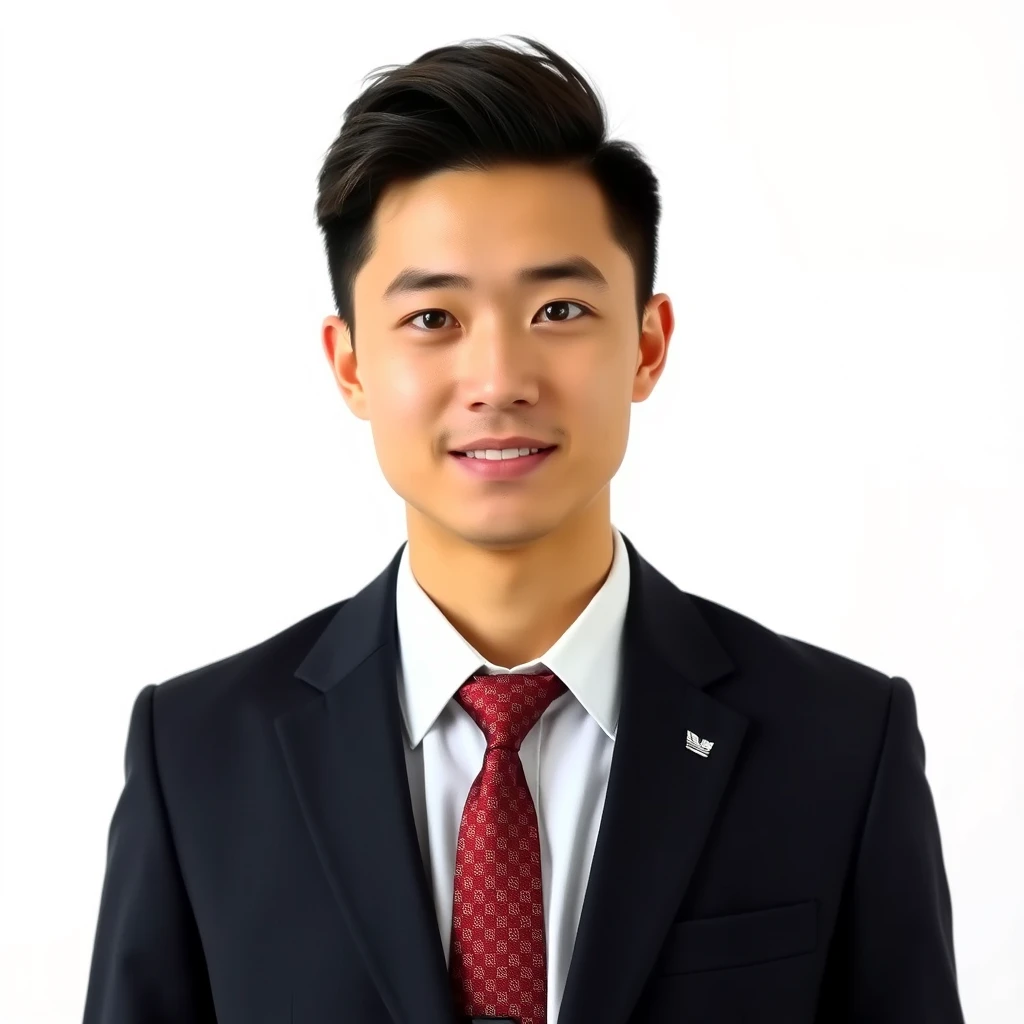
(506, 707)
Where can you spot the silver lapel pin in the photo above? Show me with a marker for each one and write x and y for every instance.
(697, 745)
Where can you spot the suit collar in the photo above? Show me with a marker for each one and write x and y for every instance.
(345, 756)
(670, 620)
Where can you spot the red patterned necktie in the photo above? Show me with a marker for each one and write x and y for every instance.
(497, 960)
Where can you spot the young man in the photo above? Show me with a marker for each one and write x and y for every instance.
(520, 775)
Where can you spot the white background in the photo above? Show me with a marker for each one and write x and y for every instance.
(836, 448)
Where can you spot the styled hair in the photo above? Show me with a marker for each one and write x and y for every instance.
(477, 105)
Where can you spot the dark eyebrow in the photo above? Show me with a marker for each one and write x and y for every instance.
(414, 279)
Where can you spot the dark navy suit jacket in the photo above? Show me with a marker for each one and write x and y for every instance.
(263, 864)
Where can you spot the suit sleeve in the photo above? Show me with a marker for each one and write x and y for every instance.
(147, 961)
(892, 959)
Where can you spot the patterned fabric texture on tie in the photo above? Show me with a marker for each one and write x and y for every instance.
(497, 960)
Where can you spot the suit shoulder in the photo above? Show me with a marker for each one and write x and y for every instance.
(247, 672)
(809, 669)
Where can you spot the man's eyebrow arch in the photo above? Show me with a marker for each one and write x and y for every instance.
(414, 279)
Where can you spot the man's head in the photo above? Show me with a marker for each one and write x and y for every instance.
(484, 164)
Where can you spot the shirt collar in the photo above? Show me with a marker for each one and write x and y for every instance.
(436, 659)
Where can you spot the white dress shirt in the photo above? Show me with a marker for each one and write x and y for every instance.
(566, 756)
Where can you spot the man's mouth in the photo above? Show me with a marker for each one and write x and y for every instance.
(494, 456)
(505, 466)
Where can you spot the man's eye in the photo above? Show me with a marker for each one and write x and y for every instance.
(433, 313)
(559, 305)
(437, 316)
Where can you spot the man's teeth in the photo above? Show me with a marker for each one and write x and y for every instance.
(503, 453)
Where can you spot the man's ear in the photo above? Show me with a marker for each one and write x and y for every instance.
(658, 324)
(337, 341)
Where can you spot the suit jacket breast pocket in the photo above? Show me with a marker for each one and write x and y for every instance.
(735, 940)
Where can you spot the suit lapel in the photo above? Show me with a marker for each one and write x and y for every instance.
(346, 758)
(661, 800)
(346, 755)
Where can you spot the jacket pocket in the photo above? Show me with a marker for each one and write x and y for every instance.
(734, 940)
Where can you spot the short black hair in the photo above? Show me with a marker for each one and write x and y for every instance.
(478, 105)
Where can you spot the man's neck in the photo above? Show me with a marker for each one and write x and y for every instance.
(512, 604)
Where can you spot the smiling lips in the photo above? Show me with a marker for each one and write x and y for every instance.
(501, 444)
(503, 464)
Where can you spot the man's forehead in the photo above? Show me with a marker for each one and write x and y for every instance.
(433, 234)
(455, 201)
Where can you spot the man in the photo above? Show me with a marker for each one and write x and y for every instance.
(520, 775)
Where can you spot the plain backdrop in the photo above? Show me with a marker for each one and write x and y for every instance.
(836, 448)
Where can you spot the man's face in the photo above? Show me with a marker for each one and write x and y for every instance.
(558, 360)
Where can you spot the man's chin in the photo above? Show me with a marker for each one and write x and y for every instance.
(502, 533)
(507, 538)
